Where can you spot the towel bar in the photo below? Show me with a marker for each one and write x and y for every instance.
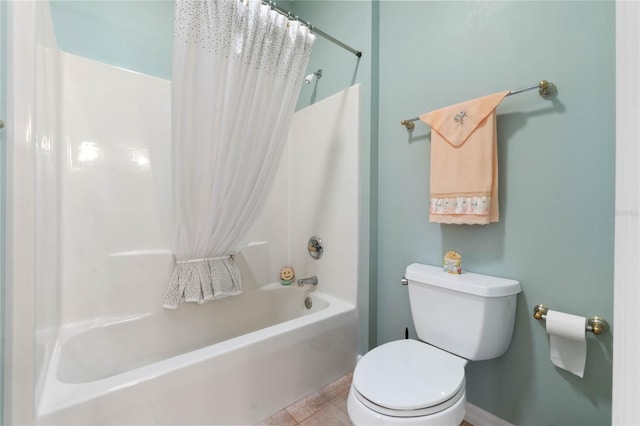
(545, 88)
(596, 325)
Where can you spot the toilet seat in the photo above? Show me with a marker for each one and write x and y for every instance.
(407, 378)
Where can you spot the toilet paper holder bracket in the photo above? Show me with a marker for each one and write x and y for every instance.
(596, 325)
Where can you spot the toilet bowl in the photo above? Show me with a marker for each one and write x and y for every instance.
(457, 318)
(407, 382)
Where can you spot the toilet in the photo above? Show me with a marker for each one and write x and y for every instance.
(458, 318)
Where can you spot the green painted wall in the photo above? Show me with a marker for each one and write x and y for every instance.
(556, 160)
(132, 34)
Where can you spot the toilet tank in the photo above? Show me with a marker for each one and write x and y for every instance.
(470, 315)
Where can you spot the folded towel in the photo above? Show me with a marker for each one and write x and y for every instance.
(464, 162)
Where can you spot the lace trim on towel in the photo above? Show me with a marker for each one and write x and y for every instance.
(461, 205)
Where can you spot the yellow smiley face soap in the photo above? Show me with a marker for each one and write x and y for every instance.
(286, 275)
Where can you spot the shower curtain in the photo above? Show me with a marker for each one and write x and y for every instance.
(237, 71)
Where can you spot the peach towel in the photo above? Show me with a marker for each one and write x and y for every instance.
(464, 162)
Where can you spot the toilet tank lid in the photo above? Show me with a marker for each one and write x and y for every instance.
(466, 282)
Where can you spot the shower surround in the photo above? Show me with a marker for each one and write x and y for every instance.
(107, 353)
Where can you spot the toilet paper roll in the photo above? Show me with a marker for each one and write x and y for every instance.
(567, 342)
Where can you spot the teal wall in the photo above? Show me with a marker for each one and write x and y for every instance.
(556, 158)
(132, 34)
(555, 233)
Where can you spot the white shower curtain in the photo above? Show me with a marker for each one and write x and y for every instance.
(237, 71)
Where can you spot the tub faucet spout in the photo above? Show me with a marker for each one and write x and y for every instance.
(311, 280)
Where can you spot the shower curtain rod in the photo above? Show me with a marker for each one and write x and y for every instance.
(312, 28)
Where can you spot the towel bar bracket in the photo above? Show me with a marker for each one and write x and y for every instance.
(409, 124)
(546, 89)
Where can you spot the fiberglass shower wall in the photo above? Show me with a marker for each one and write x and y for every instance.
(316, 192)
(31, 203)
(115, 256)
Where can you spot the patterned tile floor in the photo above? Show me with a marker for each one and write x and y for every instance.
(326, 407)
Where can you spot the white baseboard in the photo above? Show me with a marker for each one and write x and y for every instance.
(479, 417)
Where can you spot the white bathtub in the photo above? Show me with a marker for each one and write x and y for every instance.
(233, 361)
(101, 358)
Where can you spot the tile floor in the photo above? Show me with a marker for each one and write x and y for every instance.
(326, 407)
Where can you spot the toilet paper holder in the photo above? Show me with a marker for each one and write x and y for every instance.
(596, 325)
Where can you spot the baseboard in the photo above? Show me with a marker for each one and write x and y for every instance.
(479, 417)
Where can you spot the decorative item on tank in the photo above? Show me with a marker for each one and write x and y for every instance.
(452, 262)
(286, 275)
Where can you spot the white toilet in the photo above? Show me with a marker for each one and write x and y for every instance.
(459, 318)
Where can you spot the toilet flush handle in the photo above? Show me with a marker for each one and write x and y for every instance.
(404, 281)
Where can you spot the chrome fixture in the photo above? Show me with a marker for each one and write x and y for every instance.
(308, 303)
(315, 247)
(311, 281)
(308, 79)
(596, 325)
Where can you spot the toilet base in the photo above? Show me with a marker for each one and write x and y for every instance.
(362, 415)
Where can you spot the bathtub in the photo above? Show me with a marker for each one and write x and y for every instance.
(233, 361)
